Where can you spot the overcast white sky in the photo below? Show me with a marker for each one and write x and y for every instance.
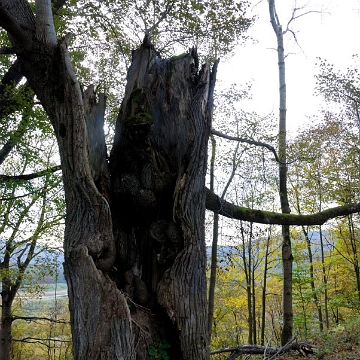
(332, 35)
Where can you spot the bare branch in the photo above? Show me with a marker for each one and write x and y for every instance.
(248, 141)
(35, 318)
(41, 340)
(18, 197)
(302, 346)
(284, 348)
(154, 26)
(294, 15)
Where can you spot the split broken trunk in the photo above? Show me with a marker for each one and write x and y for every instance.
(134, 246)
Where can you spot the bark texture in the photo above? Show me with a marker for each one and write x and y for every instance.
(158, 166)
(134, 238)
(101, 324)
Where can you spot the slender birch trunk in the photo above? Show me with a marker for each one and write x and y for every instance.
(287, 257)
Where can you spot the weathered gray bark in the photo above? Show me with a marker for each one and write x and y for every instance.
(158, 166)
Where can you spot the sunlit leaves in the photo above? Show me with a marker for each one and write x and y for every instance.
(327, 166)
(174, 26)
(231, 323)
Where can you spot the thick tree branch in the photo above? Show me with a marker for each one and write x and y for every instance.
(11, 77)
(18, 197)
(14, 99)
(273, 17)
(45, 30)
(30, 176)
(15, 137)
(7, 50)
(216, 204)
(17, 18)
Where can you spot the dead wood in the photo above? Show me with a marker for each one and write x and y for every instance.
(270, 353)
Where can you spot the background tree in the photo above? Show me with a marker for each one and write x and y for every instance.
(287, 257)
(42, 329)
(245, 124)
(343, 89)
(246, 165)
(324, 172)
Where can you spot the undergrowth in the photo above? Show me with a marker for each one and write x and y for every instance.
(339, 343)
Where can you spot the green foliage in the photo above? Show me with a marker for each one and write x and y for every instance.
(338, 86)
(106, 32)
(159, 350)
(46, 334)
(340, 342)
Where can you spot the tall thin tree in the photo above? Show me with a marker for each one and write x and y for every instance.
(287, 257)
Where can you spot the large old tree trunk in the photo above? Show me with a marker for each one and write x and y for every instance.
(143, 289)
(158, 166)
(134, 239)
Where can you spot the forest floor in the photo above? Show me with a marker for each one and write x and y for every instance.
(342, 343)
